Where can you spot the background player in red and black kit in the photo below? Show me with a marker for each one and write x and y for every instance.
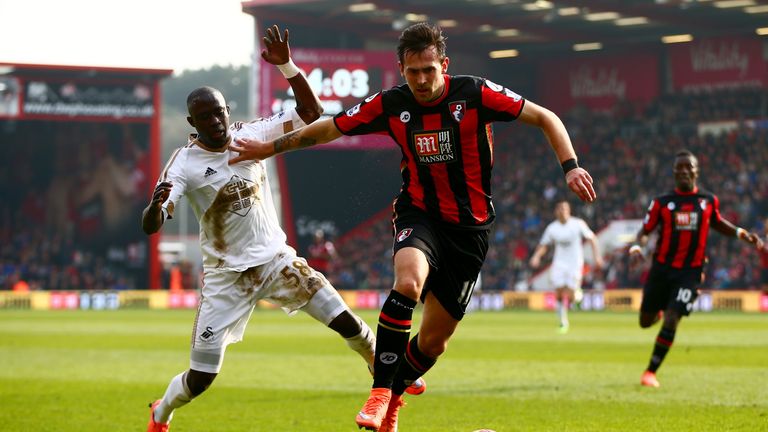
(443, 213)
(683, 217)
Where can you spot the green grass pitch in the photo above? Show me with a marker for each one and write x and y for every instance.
(507, 371)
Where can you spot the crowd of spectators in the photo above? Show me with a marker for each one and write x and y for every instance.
(629, 152)
(71, 193)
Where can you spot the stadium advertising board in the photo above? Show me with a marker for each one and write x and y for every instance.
(598, 82)
(718, 63)
(44, 97)
(341, 78)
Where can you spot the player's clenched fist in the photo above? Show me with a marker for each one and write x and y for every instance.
(162, 191)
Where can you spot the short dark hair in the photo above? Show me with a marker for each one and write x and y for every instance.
(685, 153)
(418, 37)
(204, 91)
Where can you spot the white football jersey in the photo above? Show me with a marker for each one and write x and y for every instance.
(239, 228)
(567, 240)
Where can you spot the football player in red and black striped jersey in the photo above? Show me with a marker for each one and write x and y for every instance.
(443, 214)
(683, 218)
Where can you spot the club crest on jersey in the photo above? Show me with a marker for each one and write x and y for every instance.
(405, 116)
(237, 196)
(434, 146)
(457, 110)
(703, 203)
(403, 234)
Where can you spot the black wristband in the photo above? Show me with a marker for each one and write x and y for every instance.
(569, 165)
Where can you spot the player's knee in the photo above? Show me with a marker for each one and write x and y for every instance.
(408, 286)
(198, 382)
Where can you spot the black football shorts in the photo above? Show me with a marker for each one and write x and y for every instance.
(669, 287)
(455, 256)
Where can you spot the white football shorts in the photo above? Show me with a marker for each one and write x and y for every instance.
(229, 297)
(566, 276)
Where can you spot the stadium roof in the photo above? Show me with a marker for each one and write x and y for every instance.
(528, 26)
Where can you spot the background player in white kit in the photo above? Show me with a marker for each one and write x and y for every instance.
(245, 255)
(566, 234)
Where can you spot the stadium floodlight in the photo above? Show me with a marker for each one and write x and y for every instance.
(503, 53)
(568, 11)
(756, 9)
(733, 3)
(507, 32)
(631, 21)
(602, 16)
(538, 5)
(362, 7)
(414, 17)
(588, 46)
(762, 31)
(677, 38)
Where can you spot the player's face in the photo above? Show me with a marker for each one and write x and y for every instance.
(423, 71)
(209, 115)
(686, 172)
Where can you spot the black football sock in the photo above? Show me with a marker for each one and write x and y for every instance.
(415, 365)
(391, 337)
(663, 344)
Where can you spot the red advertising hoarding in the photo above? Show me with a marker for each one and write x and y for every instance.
(341, 78)
(598, 82)
(717, 63)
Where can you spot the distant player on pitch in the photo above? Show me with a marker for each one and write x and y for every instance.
(566, 234)
(683, 217)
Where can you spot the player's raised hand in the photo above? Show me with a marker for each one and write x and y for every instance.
(276, 50)
(250, 149)
(580, 182)
(161, 193)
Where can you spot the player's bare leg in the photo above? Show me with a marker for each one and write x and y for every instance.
(564, 296)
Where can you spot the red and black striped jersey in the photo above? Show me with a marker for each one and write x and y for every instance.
(683, 220)
(447, 145)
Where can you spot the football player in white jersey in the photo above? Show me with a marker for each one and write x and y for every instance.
(245, 255)
(566, 235)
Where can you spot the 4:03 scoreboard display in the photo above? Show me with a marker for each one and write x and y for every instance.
(340, 78)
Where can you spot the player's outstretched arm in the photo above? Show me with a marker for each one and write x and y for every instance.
(152, 216)
(725, 227)
(277, 51)
(599, 263)
(535, 260)
(578, 179)
(319, 132)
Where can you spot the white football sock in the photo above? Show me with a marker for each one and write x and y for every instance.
(364, 343)
(562, 313)
(176, 396)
